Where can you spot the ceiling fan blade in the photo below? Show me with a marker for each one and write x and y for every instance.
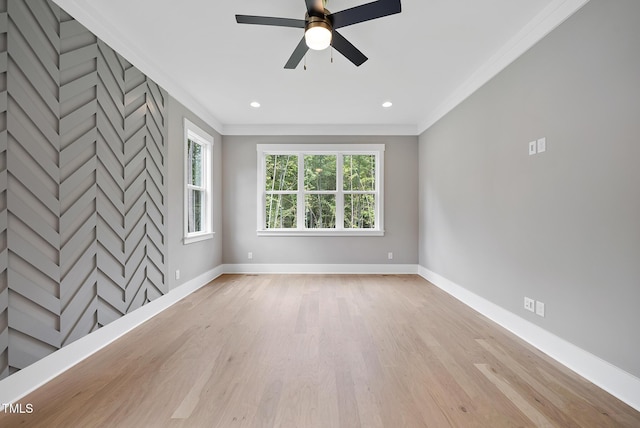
(314, 6)
(345, 47)
(266, 20)
(365, 12)
(297, 55)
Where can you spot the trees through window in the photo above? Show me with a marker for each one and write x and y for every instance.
(320, 189)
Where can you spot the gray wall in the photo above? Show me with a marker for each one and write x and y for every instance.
(82, 184)
(198, 257)
(239, 208)
(562, 227)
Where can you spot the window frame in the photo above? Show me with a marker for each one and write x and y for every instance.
(338, 150)
(196, 134)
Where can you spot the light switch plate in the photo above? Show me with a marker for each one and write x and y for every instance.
(532, 148)
(542, 145)
(540, 309)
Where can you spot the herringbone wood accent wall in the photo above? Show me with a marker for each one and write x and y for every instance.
(82, 183)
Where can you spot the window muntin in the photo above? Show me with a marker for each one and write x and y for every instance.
(320, 189)
(198, 223)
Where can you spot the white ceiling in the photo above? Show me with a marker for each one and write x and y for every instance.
(425, 60)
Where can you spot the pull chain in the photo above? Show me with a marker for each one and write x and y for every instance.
(305, 62)
(331, 54)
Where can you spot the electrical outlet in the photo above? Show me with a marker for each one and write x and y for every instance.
(250, 255)
(390, 255)
(177, 273)
(540, 309)
(529, 304)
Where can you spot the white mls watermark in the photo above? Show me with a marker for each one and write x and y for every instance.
(17, 408)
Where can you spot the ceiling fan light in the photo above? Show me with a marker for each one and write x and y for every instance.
(318, 35)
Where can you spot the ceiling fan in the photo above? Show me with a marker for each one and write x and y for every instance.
(320, 27)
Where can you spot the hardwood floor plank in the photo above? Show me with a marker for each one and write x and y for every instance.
(191, 400)
(320, 351)
(556, 404)
(269, 403)
(521, 403)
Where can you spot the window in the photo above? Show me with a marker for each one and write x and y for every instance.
(321, 189)
(198, 224)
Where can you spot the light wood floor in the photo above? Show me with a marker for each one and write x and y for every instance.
(320, 351)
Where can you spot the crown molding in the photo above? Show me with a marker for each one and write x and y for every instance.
(542, 24)
(292, 129)
(87, 15)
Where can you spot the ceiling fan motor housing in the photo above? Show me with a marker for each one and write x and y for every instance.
(318, 23)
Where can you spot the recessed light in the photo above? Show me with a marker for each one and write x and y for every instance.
(254, 104)
(387, 104)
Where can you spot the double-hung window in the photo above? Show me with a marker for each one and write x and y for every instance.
(198, 224)
(320, 189)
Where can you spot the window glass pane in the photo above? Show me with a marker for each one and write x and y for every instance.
(320, 211)
(281, 172)
(195, 211)
(359, 211)
(359, 172)
(320, 172)
(195, 162)
(280, 211)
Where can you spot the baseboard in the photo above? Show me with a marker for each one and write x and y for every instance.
(21, 383)
(605, 375)
(322, 268)
(610, 378)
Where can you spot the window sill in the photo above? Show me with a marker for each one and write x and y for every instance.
(197, 238)
(320, 232)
